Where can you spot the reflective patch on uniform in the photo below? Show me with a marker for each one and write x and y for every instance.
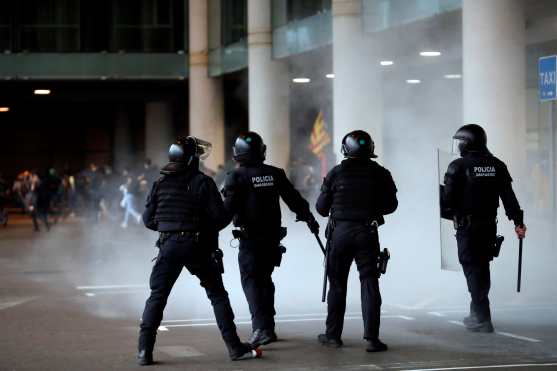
(484, 171)
(263, 181)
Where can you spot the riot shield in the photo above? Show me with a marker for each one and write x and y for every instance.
(449, 254)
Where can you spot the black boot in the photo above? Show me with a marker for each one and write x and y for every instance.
(331, 342)
(470, 320)
(262, 337)
(376, 345)
(483, 326)
(244, 351)
(145, 357)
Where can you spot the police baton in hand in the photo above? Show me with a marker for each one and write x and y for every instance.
(520, 239)
(325, 253)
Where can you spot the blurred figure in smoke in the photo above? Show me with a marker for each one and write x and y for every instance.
(355, 195)
(53, 186)
(129, 191)
(93, 183)
(252, 193)
(473, 185)
(70, 195)
(186, 208)
(22, 186)
(37, 202)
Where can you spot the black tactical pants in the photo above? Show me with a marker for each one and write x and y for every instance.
(353, 241)
(479, 283)
(475, 248)
(175, 253)
(257, 258)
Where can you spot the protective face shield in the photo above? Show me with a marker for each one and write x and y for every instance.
(203, 148)
(186, 149)
(458, 145)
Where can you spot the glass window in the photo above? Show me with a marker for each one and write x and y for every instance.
(93, 25)
(143, 25)
(49, 25)
(234, 21)
(383, 14)
(299, 9)
(5, 30)
(285, 11)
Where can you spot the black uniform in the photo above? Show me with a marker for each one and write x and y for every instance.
(355, 194)
(473, 185)
(251, 195)
(186, 207)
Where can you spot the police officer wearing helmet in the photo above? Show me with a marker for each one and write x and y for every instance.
(474, 183)
(185, 207)
(356, 194)
(252, 194)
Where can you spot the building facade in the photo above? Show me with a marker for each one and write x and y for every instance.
(127, 76)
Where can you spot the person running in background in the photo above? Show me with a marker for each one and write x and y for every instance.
(129, 191)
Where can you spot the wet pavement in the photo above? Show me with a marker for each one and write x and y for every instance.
(67, 304)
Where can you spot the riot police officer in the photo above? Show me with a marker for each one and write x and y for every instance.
(473, 185)
(356, 194)
(252, 195)
(185, 207)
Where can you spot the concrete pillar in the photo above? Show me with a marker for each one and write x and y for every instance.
(268, 86)
(206, 96)
(494, 76)
(357, 99)
(122, 145)
(159, 131)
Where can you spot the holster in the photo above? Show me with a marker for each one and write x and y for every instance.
(281, 251)
(217, 256)
(497, 245)
(383, 261)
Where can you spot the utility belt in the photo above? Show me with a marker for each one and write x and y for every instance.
(373, 224)
(244, 234)
(217, 255)
(163, 236)
(463, 221)
(467, 220)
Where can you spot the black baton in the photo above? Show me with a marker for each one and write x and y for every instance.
(519, 265)
(324, 292)
(325, 253)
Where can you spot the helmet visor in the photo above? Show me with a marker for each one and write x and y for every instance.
(458, 144)
(202, 148)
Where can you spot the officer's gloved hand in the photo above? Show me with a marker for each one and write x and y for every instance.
(520, 231)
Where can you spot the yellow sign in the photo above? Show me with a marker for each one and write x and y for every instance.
(319, 138)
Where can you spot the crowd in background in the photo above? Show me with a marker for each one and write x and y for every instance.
(97, 193)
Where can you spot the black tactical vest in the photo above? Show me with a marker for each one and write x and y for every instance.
(482, 179)
(179, 207)
(356, 189)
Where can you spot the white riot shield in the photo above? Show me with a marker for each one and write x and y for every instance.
(449, 254)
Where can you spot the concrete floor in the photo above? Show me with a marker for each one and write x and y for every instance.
(71, 300)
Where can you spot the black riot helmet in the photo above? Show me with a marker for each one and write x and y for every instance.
(470, 138)
(185, 150)
(249, 147)
(358, 144)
